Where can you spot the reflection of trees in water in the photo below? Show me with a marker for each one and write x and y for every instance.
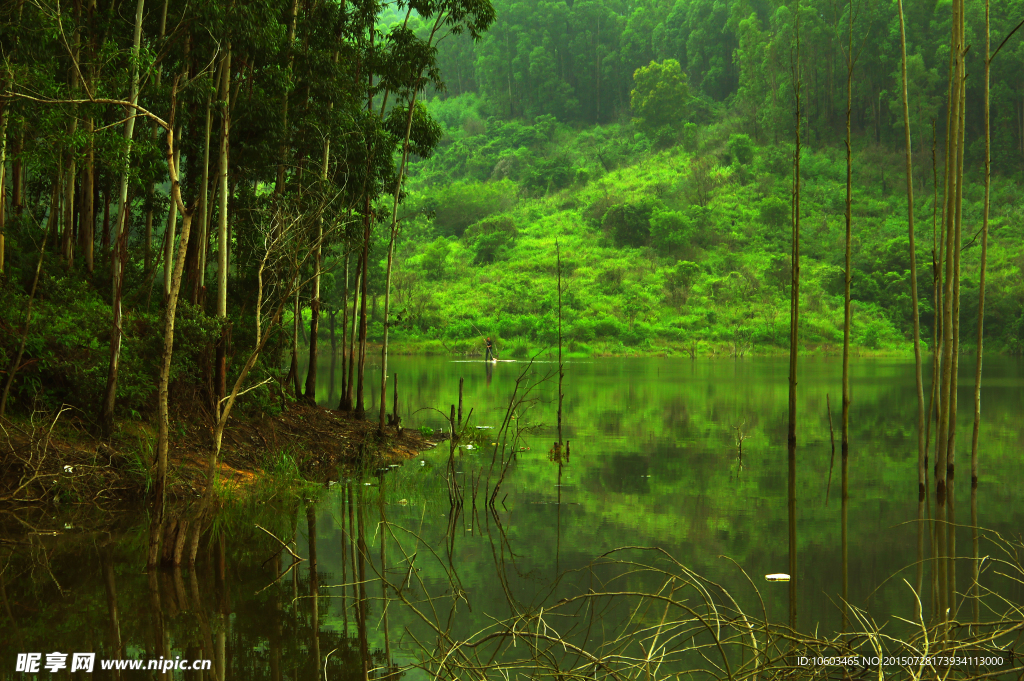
(415, 603)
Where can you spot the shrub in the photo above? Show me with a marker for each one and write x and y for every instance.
(461, 204)
(629, 224)
(775, 212)
(670, 231)
(740, 149)
(435, 259)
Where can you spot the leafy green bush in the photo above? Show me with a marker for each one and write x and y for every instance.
(740, 149)
(775, 212)
(459, 205)
(629, 224)
(671, 231)
(435, 258)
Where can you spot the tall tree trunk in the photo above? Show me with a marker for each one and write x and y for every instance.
(3, 181)
(947, 413)
(794, 336)
(163, 381)
(70, 163)
(360, 408)
(847, 319)
(170, 229)
(148, 252)
(913, 263)
(975, 567)
(954, 370)
(391, 254)
(282, 153)
(296, 322)
(17, 172)
(314, 303)
(197, 276)
(349, 400)
(345, 403)
(222, 226)
(88, 217)
(119, 251)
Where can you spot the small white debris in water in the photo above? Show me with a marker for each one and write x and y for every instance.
(777, 577)
(470, 447)
(367, 484)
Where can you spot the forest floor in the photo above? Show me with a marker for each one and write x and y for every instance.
(55, 459)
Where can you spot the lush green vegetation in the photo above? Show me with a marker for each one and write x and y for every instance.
(665, 249)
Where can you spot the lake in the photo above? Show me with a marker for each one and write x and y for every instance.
(654, 461)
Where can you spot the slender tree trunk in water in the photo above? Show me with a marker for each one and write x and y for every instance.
(947, 413)
(951, 441)
(847, 319)
(975, 588)
(933, 407)
(561, 372)
(360, 409)
(794, 325)
(163, 382)
(913, 263)
(222, 227)
(391, 255)
(119, 252)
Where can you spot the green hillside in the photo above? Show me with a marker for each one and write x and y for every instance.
(672, 250)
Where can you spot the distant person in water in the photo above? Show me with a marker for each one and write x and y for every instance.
(490, 350)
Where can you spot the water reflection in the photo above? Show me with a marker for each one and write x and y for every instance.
(512, 556)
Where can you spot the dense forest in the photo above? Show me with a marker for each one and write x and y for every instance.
(199, 198)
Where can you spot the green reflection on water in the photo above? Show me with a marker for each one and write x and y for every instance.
(654, 463)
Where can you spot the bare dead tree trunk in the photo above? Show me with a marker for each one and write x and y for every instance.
(794, 337)
(975, 564)
(913, 262)
(847, 320)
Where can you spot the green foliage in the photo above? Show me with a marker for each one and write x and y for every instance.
(658, 96)
(461, 204)
(741, 149)
(629, 224)
(671, 231)
(435, 259)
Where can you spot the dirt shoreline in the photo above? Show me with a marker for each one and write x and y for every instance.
(53, 459)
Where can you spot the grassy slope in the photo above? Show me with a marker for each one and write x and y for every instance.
(630, 300)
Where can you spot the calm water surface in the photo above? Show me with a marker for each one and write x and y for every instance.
(654, 462)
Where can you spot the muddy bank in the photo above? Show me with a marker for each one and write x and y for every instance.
(53, 458)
